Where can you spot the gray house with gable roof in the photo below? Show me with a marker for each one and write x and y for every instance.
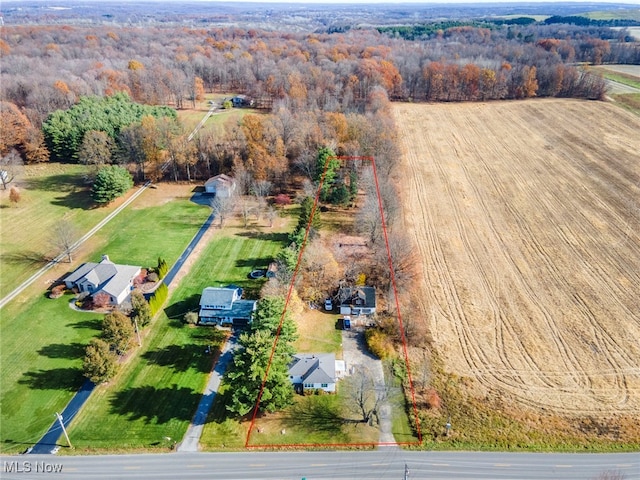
(225, 307)
(315, 371)
(106, 277)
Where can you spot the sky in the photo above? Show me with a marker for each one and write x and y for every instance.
(630, 2)
(391, 2)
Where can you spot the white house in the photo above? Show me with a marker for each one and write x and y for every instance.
(221, 185)
(224, 306)
(104, 277)
(315, 371)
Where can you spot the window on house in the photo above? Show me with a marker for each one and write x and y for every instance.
(325, 385)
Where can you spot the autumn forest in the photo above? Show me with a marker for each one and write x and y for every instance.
(318, 88)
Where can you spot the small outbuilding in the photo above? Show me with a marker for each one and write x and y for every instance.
(221, 185)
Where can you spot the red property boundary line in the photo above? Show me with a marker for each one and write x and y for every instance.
(289, 293)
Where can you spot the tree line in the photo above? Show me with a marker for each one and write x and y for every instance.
(317, 86)
(331, 72)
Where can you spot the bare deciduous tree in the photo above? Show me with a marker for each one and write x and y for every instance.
(271, 214)
(261, 188)
(222, 207)
(369, 220)
(364, 394)
(246, 208)
(64, 237)
(10, 168)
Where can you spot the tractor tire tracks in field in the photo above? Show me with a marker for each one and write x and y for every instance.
(527, 221)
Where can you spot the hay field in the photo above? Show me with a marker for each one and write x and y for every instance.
(527, 217)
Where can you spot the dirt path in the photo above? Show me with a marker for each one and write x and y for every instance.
(527, 217)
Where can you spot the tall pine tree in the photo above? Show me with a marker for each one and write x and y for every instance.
(250, 363)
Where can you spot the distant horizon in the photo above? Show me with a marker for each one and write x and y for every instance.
(52, 3)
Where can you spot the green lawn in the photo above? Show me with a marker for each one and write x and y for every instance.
(318, 333)
(42, 340)
(139, 236)
(153, 397)
(623, 14)
(158, 392)
(311, 420)
(401, 427)
(50, 192)
(629, 80)
(41, 347)
(190, 117)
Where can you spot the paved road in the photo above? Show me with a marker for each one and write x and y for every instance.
(194, 432)
(61, 257)
(352, 465)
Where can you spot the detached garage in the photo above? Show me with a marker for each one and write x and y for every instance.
(221, 185)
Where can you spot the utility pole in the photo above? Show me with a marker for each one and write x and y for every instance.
(64, 430)
(135, 321)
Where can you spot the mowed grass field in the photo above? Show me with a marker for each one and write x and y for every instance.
(527, 219)
(156, 395)
(190, 117)
(42, 340)
(50, 193)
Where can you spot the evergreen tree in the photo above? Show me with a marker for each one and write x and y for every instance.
(306, 209)
(287, 259)
(64, 130)
(328, 165)
(163, 268)
(250, 363)
(111, 182)
(339, 194)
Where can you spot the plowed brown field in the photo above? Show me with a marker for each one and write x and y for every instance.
(527, 217)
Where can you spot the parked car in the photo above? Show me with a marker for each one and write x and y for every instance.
(328, 305)
(346, 322)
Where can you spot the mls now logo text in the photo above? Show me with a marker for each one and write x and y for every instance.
(32, 467)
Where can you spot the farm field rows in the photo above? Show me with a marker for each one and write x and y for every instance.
(527, 218)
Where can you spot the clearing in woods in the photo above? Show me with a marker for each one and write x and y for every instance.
(527, 218)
